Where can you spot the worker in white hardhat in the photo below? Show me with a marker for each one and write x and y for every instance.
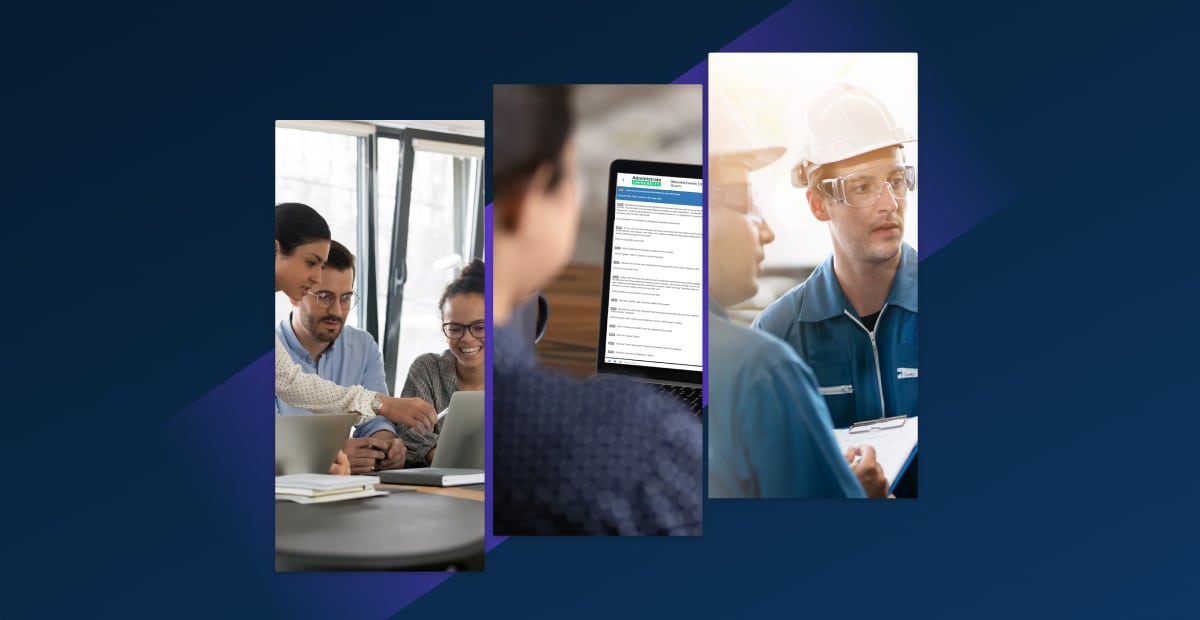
(732, 156)
(854, 320)
(769, 432)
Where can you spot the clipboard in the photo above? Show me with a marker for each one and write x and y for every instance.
(867, 426)
(894, 439)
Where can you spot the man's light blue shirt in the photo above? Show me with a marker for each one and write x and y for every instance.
(352, 359)
(769, 433)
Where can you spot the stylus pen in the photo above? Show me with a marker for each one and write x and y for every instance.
(860, 453)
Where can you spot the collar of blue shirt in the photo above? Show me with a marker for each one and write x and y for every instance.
(824, 299)
(287, 333)
(715, 307)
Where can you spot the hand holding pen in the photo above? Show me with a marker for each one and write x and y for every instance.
(868, 471)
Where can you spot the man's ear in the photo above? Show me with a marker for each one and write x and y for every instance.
(541, 180)
(511, 216)
(276, 247)
(507, 215)
(816, 203)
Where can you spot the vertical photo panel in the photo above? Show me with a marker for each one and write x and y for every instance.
(598, 308)
(380, 288)
(812, 255)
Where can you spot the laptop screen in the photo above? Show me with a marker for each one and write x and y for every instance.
(652, 310)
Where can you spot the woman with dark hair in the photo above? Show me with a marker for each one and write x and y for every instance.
(301, 248)
(434, 378)
(570, 457)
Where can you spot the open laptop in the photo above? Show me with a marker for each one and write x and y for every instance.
(652, 311)
(459, 458)
(308, 444)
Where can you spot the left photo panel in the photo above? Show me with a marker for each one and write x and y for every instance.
(380, 356)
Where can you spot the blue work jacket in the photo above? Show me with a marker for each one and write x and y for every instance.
(862, 374)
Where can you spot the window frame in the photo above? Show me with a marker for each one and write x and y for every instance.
(397, 270)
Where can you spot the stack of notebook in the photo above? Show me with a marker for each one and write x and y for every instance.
(320, 488)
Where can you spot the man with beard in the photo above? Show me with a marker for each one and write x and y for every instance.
(315, 334)
(854, 321)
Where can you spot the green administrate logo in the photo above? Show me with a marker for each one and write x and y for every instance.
(650, 181)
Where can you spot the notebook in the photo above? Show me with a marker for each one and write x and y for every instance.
(459, 458)
(895, 444)
(308, 444)
(436, 476)
(322, 488)
(652, 309)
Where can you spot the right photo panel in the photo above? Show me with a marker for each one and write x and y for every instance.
(812, 275)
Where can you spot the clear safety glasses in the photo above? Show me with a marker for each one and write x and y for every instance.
(864, 187)
(743, 199)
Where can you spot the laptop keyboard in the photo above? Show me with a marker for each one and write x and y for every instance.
(692, 397)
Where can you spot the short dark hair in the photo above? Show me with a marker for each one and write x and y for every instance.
(340, 258)
(469, 282)
(531, 124)
(297, 224)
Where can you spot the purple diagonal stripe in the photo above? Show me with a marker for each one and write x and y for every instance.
(490, 540)
(219, 441)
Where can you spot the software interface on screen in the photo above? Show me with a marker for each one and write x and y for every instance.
(655, 300)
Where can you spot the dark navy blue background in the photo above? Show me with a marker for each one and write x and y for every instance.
(1058, 224)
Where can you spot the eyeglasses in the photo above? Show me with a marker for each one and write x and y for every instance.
(741, 198)
(325, 298)
(863, 188)
(455, 331)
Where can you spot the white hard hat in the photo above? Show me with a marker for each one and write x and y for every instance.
(729, 138)
(845, 121)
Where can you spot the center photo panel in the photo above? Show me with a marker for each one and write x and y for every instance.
(598, 307)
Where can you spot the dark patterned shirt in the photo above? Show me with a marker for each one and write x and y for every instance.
(607, 457)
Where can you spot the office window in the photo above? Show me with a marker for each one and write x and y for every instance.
(406, 202)
(320, 169)
(389, 176)
(441, 218)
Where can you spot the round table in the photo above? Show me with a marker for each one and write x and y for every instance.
(404, 530)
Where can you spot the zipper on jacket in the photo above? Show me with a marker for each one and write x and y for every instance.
(875, 352)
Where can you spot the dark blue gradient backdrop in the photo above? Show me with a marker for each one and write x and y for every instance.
(1058, 228)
